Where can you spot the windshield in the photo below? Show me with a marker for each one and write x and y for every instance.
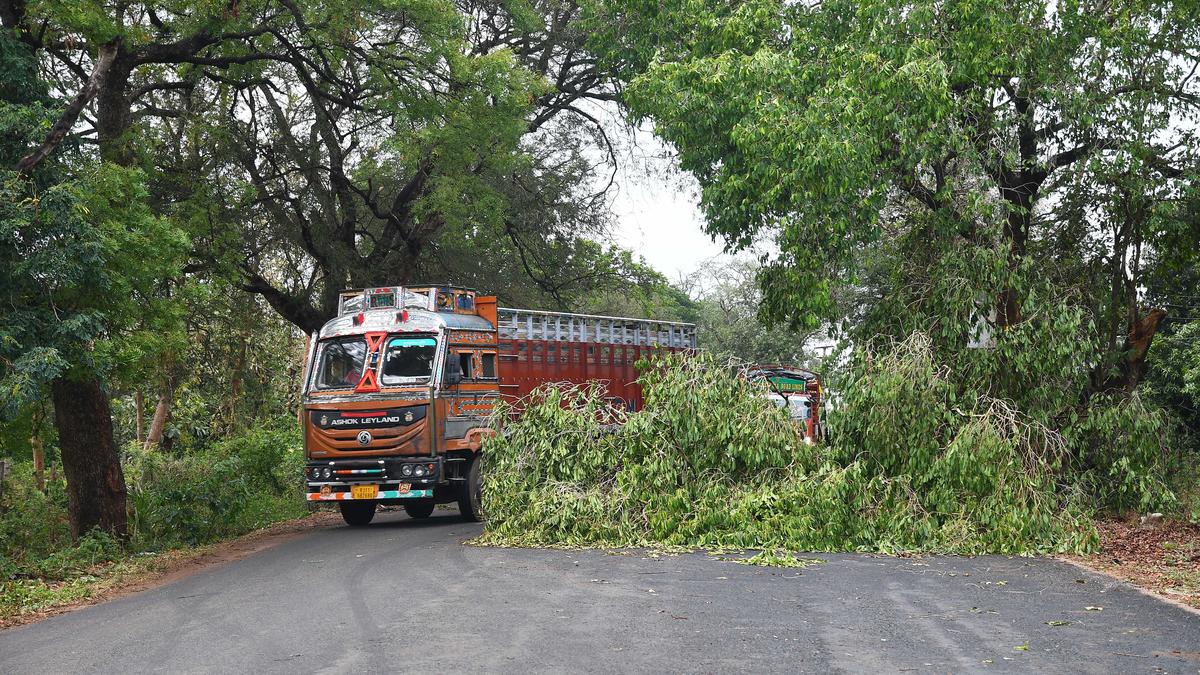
(801, 407)
(340, 363)
(408, 360)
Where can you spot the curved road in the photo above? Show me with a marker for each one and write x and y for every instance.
(405, 595)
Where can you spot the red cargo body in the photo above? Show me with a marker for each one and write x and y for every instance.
(540, 347)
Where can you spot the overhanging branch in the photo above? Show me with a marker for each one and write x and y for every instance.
(66, 121)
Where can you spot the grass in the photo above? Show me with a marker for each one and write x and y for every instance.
(29, 598)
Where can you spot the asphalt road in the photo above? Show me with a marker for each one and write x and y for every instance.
(405, 596)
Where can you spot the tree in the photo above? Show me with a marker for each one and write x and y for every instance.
(728, 320)
(109, 288)
(79, 254)
(456, 131)
(992, 173)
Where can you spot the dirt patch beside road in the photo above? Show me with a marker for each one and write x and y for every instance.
(1161, 557)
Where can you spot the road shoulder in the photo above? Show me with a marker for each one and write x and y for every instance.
(142, 573)
(1161, 559)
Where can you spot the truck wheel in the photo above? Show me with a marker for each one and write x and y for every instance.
(419, 509)
(469, 497)
(357, 514)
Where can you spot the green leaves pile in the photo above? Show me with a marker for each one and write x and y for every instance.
(710, 462)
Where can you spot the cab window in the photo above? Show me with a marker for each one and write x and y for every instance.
(341, 363)
(474, 365)
(408, 360)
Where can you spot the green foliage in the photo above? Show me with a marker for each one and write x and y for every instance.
(728, 321)
(237, 485)
(81, 258)
(709, 462)
(778, 559)
(1174, 378)
(240, 484)
(239, 369)
(33, 524)
(20, 596)
(1006, 178)
(92, 549)
(820, 124)
(1122, 448)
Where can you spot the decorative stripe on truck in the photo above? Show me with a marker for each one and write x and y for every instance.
(383, 494)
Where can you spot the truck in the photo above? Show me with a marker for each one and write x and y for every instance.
(797, 390)
(400, 387)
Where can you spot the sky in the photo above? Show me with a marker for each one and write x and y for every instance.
(657, 207)
(659, 219)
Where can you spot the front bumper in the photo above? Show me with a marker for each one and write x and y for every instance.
(394, 478)
(398, 493)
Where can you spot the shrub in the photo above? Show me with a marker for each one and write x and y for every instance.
(231, 487)
(709, 462)
(241, 483)
(93, 548)
(1121, 450)
(33, 524)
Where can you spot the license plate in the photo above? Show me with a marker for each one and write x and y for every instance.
(364, 491)
(405, 488)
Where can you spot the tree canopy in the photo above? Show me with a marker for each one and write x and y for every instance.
(995, 174)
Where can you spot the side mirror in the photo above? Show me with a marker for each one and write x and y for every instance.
(452, 375)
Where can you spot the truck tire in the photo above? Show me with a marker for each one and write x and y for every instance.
(357, 514)
(469, 497)
(419, 509)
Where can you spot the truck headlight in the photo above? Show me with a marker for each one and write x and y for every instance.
(419, 471)
(406, 470)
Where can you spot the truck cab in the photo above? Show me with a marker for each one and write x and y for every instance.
(797, 390)
(398, 388)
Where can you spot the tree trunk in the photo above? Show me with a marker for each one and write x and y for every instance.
(235, 385)
(162, 412)
(1132, 367)
(95, 482)
(139, 413)
(39, 458)
(1016, 233)
(113, 116)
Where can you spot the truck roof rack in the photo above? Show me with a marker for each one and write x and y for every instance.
(528, 324)
(433, 298)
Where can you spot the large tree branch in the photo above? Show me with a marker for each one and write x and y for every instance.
(141, 91)
(295, 309)
(66, 121)
(186, 49)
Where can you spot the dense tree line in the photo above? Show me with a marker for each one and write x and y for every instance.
(172, 170)
(1016, 180)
